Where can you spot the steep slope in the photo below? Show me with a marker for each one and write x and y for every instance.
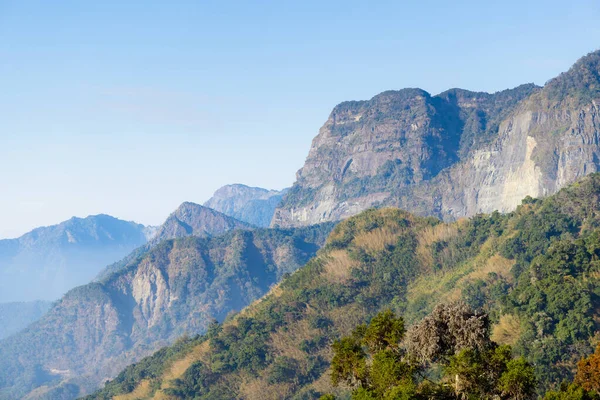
(550, 140)
(176, 287)
(533, 270)
(16, 316)
(192, 219)
(46, 262)
(451, 155)
(249, 204)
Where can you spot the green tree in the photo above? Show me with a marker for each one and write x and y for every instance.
(374, 364)
(384, 373)
(518, 381)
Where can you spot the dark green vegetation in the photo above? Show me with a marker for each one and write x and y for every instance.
(16, 316)
(533, 272)
(176, 287)
(454, 340)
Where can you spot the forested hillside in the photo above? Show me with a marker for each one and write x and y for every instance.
(176, 287)
(534, 272)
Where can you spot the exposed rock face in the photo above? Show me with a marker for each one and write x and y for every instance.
(451, 155)
(47, 262)
(253, 205)
(540, 149)
(176, 287)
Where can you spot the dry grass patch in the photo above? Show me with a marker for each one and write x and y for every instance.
(324, 385)
(273, 293)
(260, 389)
(338, 266)
(346, 318)
(287, 342)
(377, 240)
(178, 367)
(430, 235)
(446, 285)
(507, 330)
(142, 391)
(496, 264)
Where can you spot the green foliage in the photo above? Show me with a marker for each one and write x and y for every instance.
(195, 382)
(552, 292)
(518, 381)
(383, 332)
(151, 368)
(349, 362)
(384, 372)
(571, 392)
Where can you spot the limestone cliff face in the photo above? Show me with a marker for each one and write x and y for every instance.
(540, 149)
(174, 288)
(451, 155)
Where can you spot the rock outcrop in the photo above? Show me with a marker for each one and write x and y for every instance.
(451, 155)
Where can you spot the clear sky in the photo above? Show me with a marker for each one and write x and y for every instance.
(131, 107)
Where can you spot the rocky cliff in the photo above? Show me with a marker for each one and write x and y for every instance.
(451, 155)
(174, 288)
(253, 205)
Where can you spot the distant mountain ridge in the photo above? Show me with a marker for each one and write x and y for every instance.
(18, 315)
(191, 219)
(253, 205)
(48, 261)
(452, 155)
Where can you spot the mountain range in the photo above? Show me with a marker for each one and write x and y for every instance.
(15, 316)
(176, 287)
(47, 262)
(457, 154)
(533, 271)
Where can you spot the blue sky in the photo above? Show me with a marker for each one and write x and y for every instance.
(132, 107)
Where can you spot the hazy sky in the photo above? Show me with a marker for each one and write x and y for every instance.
(131, 107)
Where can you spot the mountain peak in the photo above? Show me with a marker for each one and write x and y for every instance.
(253, 205)
(581, 81)
(452, 155)
(191, 219)
(47, 261)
